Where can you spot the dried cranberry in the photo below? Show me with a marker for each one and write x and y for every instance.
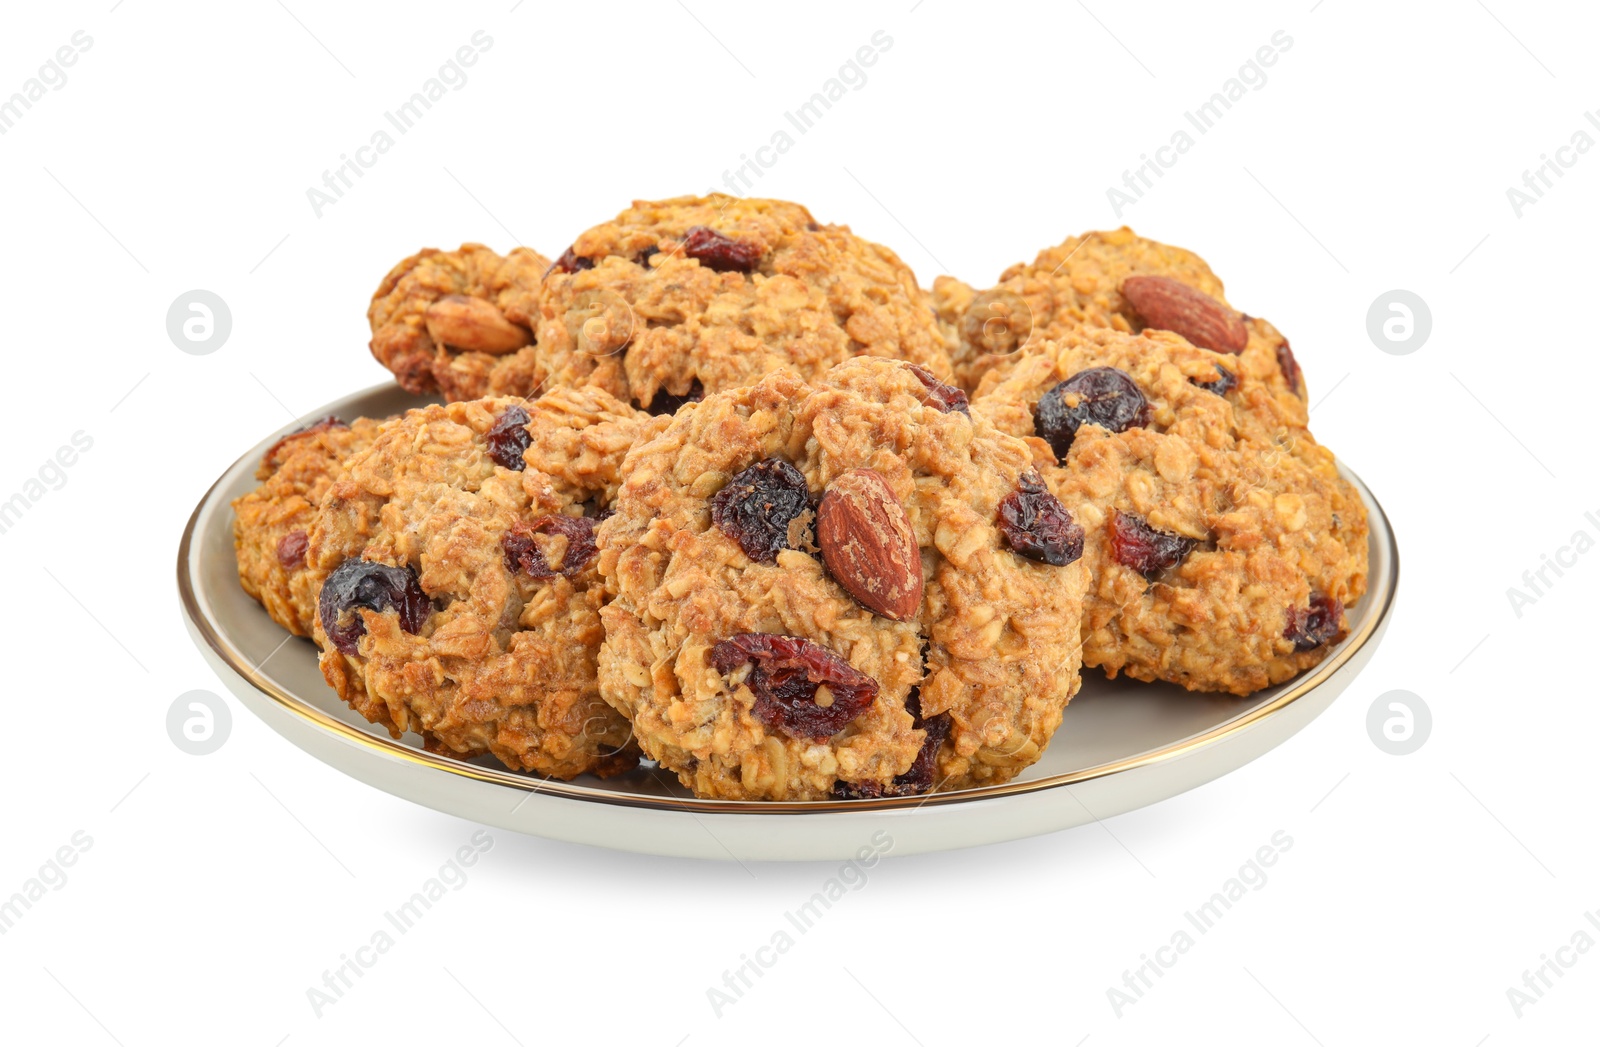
(570, 263)
(1291, 369)
(757, 506)
(292, 550)
(668, 403)
(358, 583)
(918, 778)
(786, 672)
(1102, 396)
(524, 554)
(1222, 385)
(721, 253)
(1313, 626)
(509, 437)
(1135, 544)
(321, 425)
(940, 395)
(1036, 525)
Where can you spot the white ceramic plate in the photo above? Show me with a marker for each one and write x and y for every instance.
(1121, 745)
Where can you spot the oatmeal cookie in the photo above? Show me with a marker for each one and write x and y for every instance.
(842, 588)
(270, 523)
(1117, 280)
(1221, 548)
(677, 298)
(458, 592)
(460, 323)
(948, 300)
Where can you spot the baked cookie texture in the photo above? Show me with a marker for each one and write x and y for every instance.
(1080, 283)
(676, 298)
(270, 523)
(460, 323)
(948, 299)
(715, 539)
(1221, 547)
(459, 595)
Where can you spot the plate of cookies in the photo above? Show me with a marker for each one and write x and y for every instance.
(718, 536)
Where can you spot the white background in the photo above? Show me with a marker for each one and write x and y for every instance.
(1376, 156)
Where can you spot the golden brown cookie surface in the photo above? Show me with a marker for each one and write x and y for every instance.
(460, 323)
(458, 591)
(270, 523)
(1117, 280)
(1221, 548)
(816, 593)
(676, 298)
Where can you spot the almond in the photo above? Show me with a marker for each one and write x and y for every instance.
(473, 325)
(1167, 305)
(868, 545)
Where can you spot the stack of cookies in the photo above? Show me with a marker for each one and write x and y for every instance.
(723, 488)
